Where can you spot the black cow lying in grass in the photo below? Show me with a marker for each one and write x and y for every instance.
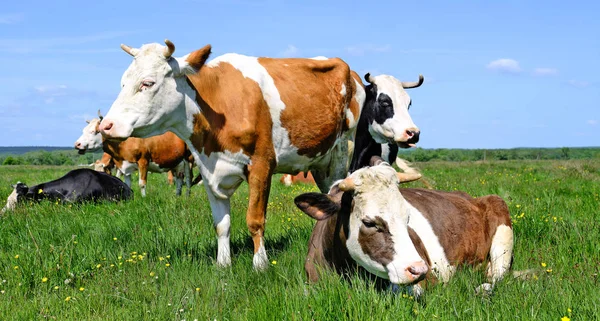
(76, 186)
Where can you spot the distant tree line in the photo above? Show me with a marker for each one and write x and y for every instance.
(43, 157)
(70, 157)
(458, 155)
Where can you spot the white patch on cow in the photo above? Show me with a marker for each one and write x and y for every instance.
(128, 168)
(11, 202)
(90, 139)
(376, 193)
(440, 265)
(360, 96)
(260, 261)
(500, 253)
(343, 91)
(393, 129)
(222, 222)
(385, 151)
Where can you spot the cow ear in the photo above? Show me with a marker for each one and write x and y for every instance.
(191, 63)
(316, 205)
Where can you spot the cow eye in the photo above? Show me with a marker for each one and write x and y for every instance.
(368, 223)
(147, 84)
(385, 104)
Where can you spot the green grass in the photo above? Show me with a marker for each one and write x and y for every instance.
(111, 260)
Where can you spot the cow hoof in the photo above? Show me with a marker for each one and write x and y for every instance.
(260, 262)
(224, 262)
(484, 290)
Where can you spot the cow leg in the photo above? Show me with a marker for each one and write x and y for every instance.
(143, 171)
(187, 173)
(178, 184)
(127, 179)
(500, 258)
(259, 181)
(221, 210)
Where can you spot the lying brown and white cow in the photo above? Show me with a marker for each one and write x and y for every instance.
(244, 119)
(405, 234)
(156, 154)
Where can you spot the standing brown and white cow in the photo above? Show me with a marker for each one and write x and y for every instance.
(405, 234)
(158, 154)
(244, 118)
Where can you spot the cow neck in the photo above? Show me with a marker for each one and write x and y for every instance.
(365, 146)
(206, 118)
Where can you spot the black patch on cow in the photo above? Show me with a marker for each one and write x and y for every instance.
(377, 109)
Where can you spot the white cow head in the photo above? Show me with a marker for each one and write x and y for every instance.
(154, 93)
(377, 218)
(91, 138)
(386, 108)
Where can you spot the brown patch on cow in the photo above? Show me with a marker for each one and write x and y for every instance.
(376, 241)
(464, 225)
(314, 113)
(302, 177)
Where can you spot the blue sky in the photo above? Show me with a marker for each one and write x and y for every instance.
(497, 75)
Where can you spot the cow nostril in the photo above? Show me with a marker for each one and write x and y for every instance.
(417, 270)
(410, 133)
(413, 136)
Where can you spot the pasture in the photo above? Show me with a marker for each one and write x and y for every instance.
(154, 258)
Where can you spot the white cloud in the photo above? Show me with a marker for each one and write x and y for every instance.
(290, 51)
(505, 65)
(592, 122)
(361, 50)
(578, 83)
(11, 18)
(545, 71)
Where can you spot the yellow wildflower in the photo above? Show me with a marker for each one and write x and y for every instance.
(160, 258)
(17, 256)
(569, 310)
(274, 262)
(543, 264)
(67, 299)
(197, 289)
(40, 191)
(152, 273)
(44, 279)
(565, 319)
(81, 289)
(168, 256)
(16, 267)
(114, 238)
(98, 266)
(549, 270)
(167, 265)
(56, 287)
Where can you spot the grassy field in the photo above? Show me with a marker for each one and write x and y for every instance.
(154, 258)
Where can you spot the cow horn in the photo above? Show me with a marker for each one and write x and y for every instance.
(170, 48)
(408, 177)
(413, 84)
(129, 50)
(347, 185)
(87, 121)
(100, 115)
(369, 79)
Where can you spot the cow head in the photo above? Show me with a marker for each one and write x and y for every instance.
(154, 92)
(377, 218)
(91, 138)
(19, 192)
(386, 109)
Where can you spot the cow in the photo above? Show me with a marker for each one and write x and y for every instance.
(302, 177)
(386, 106)
(244, 118)
(157, 154)
(77, 186)
(405, 235)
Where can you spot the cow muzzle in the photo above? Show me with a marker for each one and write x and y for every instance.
(409, 138)
(410, 274)
(112, 130)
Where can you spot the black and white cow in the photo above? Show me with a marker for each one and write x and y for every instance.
(405, 235)
(76, 186)
(385, 110)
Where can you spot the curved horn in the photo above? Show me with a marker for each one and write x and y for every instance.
(347, 185)
(413, 84)
(100, 115)
(170, 48)
(369, 79)
(129, 50)
(408, 177)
